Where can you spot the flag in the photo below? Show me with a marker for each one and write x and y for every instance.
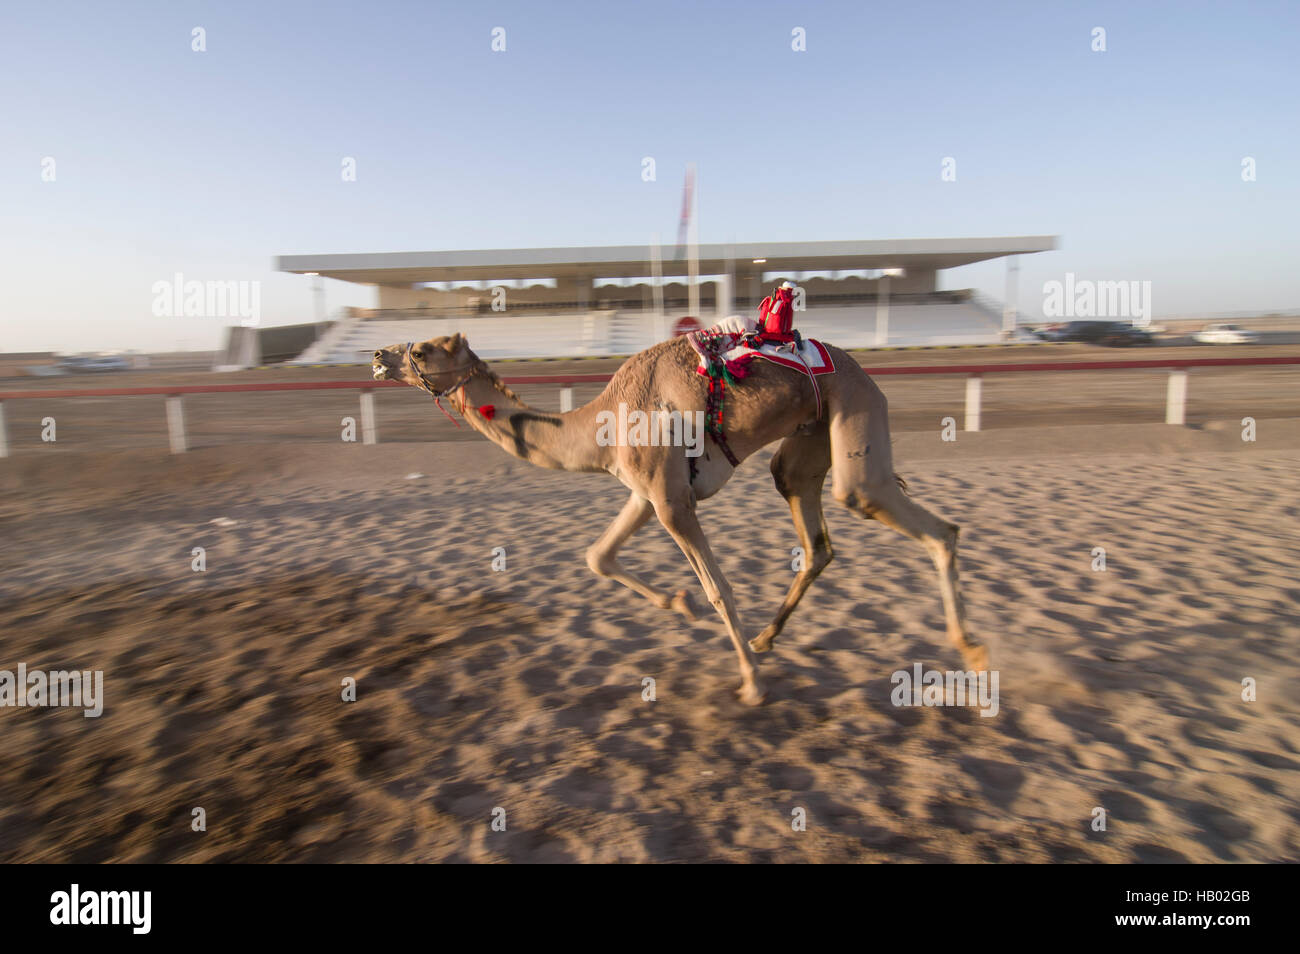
(688, 209)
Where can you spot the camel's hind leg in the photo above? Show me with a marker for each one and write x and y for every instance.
(864, 480)
(799, 470)
(603, 561)
(891, 506)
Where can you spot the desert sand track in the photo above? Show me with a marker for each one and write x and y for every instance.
(522, 689)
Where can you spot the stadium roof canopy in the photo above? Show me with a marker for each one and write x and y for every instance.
(631, 261)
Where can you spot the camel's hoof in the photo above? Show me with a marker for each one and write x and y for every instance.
(682, 603)
(762, 643)
(977, 658)
(752, 693)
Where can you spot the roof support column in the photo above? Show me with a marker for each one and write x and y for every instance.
(1009, 315)
(722, 295)
(657, 277)
(882, 312)
(318, 293)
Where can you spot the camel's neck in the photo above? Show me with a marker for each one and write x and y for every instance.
(555, 441)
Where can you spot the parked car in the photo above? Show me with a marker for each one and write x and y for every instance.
(95, 362)
(1225, 334)
(1113, 333)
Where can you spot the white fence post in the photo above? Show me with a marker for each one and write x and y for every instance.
(974, 386)
(566, 400)
(4, 435)
(882, 312)
(368, 432)
(1176, 402)
(176, 424)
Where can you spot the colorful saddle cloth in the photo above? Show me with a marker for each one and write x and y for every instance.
(734, 343)
(726, 351)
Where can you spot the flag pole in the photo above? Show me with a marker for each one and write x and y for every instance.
(693, 246)
(657, 279)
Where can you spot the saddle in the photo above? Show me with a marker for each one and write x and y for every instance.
(728, 348)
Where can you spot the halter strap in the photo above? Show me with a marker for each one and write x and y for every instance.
(424, 378)
(424, 385)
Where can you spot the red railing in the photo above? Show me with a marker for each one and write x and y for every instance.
(564, 380)
(1174, 414)
(178, 389)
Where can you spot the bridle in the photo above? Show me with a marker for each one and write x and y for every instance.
(423, 378)
(423, 382)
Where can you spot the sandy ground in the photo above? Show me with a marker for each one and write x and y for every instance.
(522, 689)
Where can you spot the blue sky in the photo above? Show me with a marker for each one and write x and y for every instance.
(211, 164)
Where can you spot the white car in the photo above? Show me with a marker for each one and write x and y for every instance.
(1225, 334)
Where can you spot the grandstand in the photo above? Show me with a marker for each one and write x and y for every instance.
(515, 303)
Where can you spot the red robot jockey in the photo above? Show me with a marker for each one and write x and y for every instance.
(776, 317)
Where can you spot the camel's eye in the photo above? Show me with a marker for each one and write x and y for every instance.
(418, 354)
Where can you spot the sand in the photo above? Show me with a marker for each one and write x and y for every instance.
(522, 689)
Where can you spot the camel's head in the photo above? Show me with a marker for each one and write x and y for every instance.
(441, 362)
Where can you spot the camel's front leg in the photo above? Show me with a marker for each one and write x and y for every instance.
(799, 470)
(678, 517)
(603, 561)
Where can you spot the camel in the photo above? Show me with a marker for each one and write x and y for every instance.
(850, 440)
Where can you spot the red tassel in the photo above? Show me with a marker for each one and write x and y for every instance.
(488, 411)
(740, 367)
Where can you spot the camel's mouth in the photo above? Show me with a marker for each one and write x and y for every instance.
(378, 371)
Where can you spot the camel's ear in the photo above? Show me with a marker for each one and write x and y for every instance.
(455, 343)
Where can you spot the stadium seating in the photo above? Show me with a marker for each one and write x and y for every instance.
(618, 332)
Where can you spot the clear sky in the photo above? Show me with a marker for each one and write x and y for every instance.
(212, 163)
